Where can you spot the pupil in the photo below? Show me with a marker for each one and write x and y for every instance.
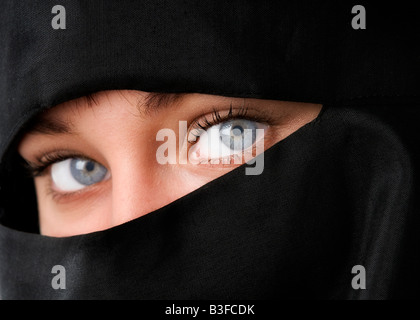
(90, 166)
(237, 130)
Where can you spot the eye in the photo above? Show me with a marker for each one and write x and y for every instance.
(75, 174)
(227, 138)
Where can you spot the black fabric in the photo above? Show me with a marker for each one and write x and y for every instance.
(339, 192)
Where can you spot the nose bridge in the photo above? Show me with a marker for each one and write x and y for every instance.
(135, 190)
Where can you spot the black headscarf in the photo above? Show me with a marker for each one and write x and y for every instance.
(338, 193)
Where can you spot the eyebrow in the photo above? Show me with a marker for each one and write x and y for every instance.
(44, 125)
(156, 101)
(153, 102)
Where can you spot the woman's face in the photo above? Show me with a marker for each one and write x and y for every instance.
(103, 161)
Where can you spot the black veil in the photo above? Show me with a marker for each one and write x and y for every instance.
(339, 192)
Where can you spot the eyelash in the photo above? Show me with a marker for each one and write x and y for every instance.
(203, 123)
(38, 170)
(216, 118)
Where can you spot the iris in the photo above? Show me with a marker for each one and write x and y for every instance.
(238, 134)
(87, 172)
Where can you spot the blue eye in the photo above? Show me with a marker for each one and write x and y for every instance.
(87, 172)
(228, 138)
(238, 134)
(75, 174)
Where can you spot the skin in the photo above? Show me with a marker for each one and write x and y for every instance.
(119, 132)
